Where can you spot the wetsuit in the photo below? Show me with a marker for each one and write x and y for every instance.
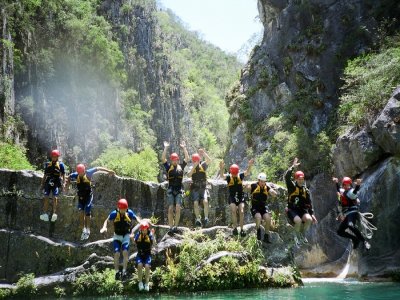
(348, 206)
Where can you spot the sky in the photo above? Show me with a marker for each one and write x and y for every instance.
(228, 24)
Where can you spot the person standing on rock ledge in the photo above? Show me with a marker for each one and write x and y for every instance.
(85, 194)
(198, 187)
(348, 211)
(236, 195)
(175, 189)
(123, 218)
(259, 206)
(299, 209)
(52, 181)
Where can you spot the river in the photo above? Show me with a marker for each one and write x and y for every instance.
(313, 289)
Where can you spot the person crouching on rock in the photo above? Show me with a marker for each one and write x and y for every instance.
(122, 218)
(236, 195)
(175, 177)
(259, 205)
(83, 180)
(53, 180)
(348, 211)
(299, 209)
(144, 240)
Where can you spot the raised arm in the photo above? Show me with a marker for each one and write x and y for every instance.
(110, 172)
(185, 152)
(221, 169)
(203, 153)
(195, 164)
(288, 174)
(248, 170)
(164, 154)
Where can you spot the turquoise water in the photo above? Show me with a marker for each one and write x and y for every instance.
(315, 289)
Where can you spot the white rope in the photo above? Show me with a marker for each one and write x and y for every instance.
(366, 227)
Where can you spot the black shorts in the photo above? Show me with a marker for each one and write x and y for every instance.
(236, 200)
(261, 209)
(293, 212)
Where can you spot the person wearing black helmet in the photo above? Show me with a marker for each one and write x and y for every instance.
(123, 218)
(348, 209)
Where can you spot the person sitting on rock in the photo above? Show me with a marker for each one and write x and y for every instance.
(122, 218)
(175, 189)
(198, 188)
(259, 206)
(348, 209)
(236, 195)
(52, 181)
(144, 240)
(83, 179)
(299, 209)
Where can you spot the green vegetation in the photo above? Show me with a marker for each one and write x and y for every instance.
(369, 83)
(97, 283)
(13, 157)
(141, 166)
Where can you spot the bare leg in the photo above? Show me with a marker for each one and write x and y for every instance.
(205, 204)
(171, 216)
(267, 222)
(177, 214)
(125, 261)
(55, 203)
(196, 210)
(241, 215)
(147, 275)
(233, 213)
(140, 272)
(116, 261)
(307, 220)
(45, 204)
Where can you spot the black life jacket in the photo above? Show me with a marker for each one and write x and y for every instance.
(299, 198)
(122, 224)
(259, 195)
(175, 176)
(199, 176)
(143, 243)
(52, 170)
(84, 186)
(235, 186)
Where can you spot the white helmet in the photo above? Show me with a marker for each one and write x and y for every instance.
(262, 176)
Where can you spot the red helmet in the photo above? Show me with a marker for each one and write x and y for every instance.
(234, 169)
(195, 157)
(298, 174)
(174, 156)
(80, 168)
(144, 225)
(346, 180)
(122, 204)
(55, 153)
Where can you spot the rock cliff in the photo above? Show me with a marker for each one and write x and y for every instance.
(292, 81)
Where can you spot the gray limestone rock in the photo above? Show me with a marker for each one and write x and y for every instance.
(386, 128)
(354, 152)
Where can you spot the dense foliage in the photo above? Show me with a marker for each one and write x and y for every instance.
(369, 82)
(142, 165)
(13, 157)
